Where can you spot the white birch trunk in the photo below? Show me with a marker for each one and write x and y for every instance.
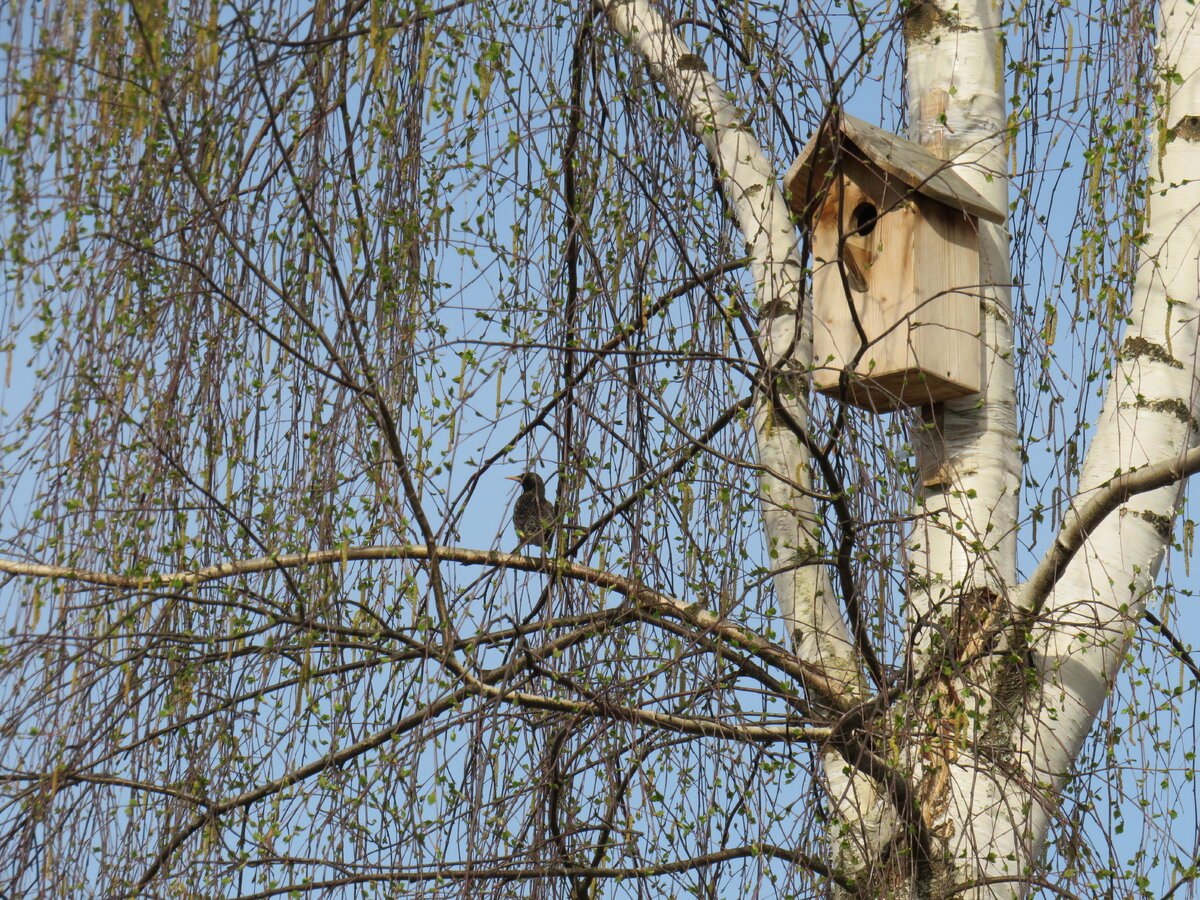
(963, 553)
(993, 812)
(996, 796)
(1149, 415)
(968, 453)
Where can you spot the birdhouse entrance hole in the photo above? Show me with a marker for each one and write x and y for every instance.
(897, 276)
(863, 218)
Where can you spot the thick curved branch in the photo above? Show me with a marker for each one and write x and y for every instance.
(698, 726)
(1085, 519)
(813, 677)
(550, 870)
(61, 779)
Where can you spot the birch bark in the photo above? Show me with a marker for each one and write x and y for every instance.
(967, 450)
(1088, 616)
(963, 552)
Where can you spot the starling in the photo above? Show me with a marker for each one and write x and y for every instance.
(533, 516)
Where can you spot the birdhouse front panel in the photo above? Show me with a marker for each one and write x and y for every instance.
(862, 280)
(892, 272)
(896, 269)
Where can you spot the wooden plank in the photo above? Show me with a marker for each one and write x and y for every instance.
(885, 259)
(946, 315)
(897, 390)
(810, 175)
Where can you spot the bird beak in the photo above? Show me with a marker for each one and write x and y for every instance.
(513, 477)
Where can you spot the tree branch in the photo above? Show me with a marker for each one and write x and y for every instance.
(813, 677)
(1085, 519)
(551, 870)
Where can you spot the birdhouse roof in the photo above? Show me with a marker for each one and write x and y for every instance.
(897, 157)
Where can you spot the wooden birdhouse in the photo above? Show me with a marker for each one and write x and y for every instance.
(896, 267)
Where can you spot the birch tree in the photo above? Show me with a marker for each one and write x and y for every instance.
(291, 288)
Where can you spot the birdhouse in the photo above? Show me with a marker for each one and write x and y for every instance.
(896, 267)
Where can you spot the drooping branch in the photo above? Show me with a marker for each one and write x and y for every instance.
(494, 685)
(595, 359)
(751, 190)
(792, 524)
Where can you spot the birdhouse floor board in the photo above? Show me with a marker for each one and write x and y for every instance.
(891, 391)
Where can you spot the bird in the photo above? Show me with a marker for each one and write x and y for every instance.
(534, 515)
